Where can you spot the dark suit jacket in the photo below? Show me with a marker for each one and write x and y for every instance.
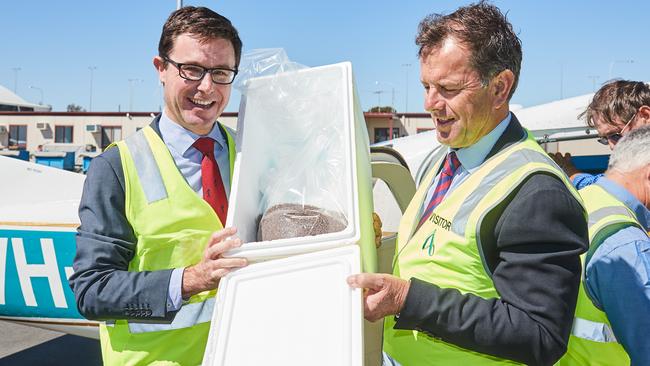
(531, 244)
(103, 287)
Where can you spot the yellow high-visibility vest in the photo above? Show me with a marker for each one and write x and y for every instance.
(172, 225)
(446, 249)
(592, 341)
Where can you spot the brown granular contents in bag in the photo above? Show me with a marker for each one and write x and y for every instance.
(289, 220)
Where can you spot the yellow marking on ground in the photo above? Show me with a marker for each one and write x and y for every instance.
(88, 324)
(50, 224)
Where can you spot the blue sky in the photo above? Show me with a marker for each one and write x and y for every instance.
(568, 45)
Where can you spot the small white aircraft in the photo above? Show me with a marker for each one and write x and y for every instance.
(38, 222)
(39, 204)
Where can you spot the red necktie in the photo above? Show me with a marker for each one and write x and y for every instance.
(213, 191)
(444, 182)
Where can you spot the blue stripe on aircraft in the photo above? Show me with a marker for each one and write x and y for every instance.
(33, 279)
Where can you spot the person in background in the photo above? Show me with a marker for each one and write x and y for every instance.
(617, 108)
(611, 323)
(487, 266)
(151, 239)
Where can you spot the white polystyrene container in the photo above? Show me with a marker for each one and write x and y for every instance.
(276, 112)
(292, 305)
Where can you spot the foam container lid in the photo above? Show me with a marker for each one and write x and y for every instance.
(292, 311)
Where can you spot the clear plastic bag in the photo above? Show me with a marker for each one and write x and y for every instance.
(302, 190)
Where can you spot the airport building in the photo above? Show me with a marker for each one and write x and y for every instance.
(35, 128)
(94, 131)
(11, 102)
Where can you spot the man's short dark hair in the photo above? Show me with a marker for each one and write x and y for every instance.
(484, 30)
(202, 23)
(617, 99)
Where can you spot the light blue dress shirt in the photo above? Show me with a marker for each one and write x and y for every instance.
(470, 158)
(617, 278)
(188, 160)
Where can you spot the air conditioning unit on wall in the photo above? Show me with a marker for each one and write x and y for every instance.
(92, 128)
(42, 125)
(3, 129)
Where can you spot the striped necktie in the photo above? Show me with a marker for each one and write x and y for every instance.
(213, 190)
(444, 182)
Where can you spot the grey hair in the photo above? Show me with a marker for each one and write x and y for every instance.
(632, 151)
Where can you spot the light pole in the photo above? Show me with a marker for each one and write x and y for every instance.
(179, 4)
(406, 102)
(16, 69)
(131, 81)
(379, 93)
(160, 96)
(90, 104)
(611, 65)
(392, 92)
(593, 81)
(40, 102)
(561, 80)
(392, 107)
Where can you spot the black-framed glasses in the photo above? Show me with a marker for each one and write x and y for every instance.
(220, 75)
(616, 136)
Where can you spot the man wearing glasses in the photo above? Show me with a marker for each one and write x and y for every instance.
(151, 239)
(617, 108)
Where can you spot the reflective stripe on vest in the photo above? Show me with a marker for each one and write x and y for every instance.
(593, 331)
(188, 316)
(145, 165)
(602, 213)
(514, 161)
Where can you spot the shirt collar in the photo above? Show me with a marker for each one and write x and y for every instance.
(181, 139)
(622, 194)
(471, 157)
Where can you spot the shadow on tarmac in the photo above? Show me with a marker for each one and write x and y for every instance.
(65, 350)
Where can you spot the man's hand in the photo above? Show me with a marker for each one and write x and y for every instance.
(206, 274)
(384, 294)
(564, 161)
(376, 225)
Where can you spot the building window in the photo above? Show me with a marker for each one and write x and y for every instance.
(381, 134)
(18, 137)
(63, 134)
(8, 108)
(110, 135)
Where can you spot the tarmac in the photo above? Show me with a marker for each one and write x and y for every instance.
(21, 345)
